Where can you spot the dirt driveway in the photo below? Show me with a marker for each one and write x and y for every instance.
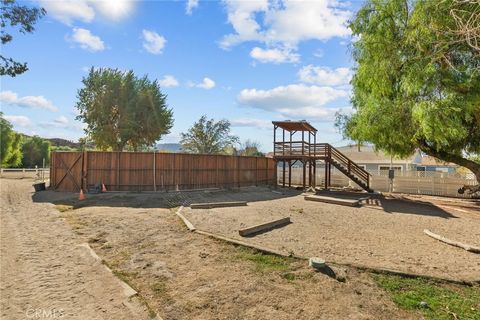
(44, 271)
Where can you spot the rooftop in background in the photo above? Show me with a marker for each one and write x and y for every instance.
(368, 154)
(295, 125)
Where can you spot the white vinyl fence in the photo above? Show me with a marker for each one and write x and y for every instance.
(413, 182)
(21, 173)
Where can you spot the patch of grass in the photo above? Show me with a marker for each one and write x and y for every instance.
(160, 290)
(63, 208)
(297, 210)
(263, 261)
(443, 301)
(73, 220)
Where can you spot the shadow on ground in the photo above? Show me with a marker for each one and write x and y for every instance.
(391, 204)
(161, 199)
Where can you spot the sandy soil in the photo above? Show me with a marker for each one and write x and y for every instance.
(44, 273)
(387, 233)
(184, 275)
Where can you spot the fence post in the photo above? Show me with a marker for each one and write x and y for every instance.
(154, 171)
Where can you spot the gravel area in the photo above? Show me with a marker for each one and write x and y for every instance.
(385, 233)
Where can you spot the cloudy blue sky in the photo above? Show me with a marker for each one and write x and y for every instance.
(250, 62)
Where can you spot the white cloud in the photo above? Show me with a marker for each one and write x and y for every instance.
(207, 84)
(40, 102)
(250, 122)
(153, 42)
(191, 4)
(20, 121)
(168, 81)
(286, 22)
(297, 101)
(114, 9)
(276, 55)
(68, 11)
(62, 120)
(87, 40)
(324, 75)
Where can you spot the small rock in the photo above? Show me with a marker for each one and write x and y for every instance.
(423, 304)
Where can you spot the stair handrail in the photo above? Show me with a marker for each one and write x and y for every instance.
(351, 166)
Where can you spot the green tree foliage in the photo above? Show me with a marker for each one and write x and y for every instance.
(13, 15)
(34, 150)
(121, 110)
(416, 82)
(10, 142)
(251, 148)
(208, 137)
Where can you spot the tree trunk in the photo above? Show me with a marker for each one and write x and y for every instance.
(454, 158)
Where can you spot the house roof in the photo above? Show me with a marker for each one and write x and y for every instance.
(432, 161)
(368, 154)
(295, 125)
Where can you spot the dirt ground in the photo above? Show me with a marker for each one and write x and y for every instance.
(184, 275)
(44, 271)
(385, 233)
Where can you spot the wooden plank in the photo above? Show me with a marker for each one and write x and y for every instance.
(187, 223)
(218, 204)
(345, 202)
(464, 246)
(260, 228)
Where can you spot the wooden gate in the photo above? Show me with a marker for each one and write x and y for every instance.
(66, 170)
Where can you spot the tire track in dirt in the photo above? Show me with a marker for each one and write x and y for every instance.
(43, 268)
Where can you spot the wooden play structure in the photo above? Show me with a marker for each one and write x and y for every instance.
(305, 149)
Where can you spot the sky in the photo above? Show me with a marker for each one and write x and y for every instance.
(250, 62)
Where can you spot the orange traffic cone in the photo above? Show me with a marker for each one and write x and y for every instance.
(81, 196)
(104, 189)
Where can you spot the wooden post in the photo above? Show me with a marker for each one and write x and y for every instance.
(303, 141)
(310, 173)
(290, 173)
(274, 139)
(283, 142)
(84, 170)
(304, 172)
(283, 182)
(314, 173)
(326, 175)
(118, 171)
(256, 171)
(154, 171)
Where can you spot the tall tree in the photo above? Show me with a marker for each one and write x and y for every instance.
(13, 15)
(208, 137)
(251, 148)
(122, 110)
(35, 150)
(10, 144)
(415, 86)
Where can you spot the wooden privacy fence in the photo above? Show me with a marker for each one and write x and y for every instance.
(149, 171)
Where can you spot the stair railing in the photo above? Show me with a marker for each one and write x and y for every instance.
(351, 167)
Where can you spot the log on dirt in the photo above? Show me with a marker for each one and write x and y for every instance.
(344, 202)
(464, 246)
(264, 227)
(217, 204)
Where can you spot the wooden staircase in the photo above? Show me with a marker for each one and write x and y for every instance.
(349, 168)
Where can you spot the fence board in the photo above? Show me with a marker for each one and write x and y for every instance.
(134, 171)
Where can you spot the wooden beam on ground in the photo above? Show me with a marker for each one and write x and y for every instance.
(464, 246)
(260, 228)
(217, 204)
(344, 202)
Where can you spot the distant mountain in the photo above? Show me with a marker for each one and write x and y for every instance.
(171, 147)
(59, 142)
